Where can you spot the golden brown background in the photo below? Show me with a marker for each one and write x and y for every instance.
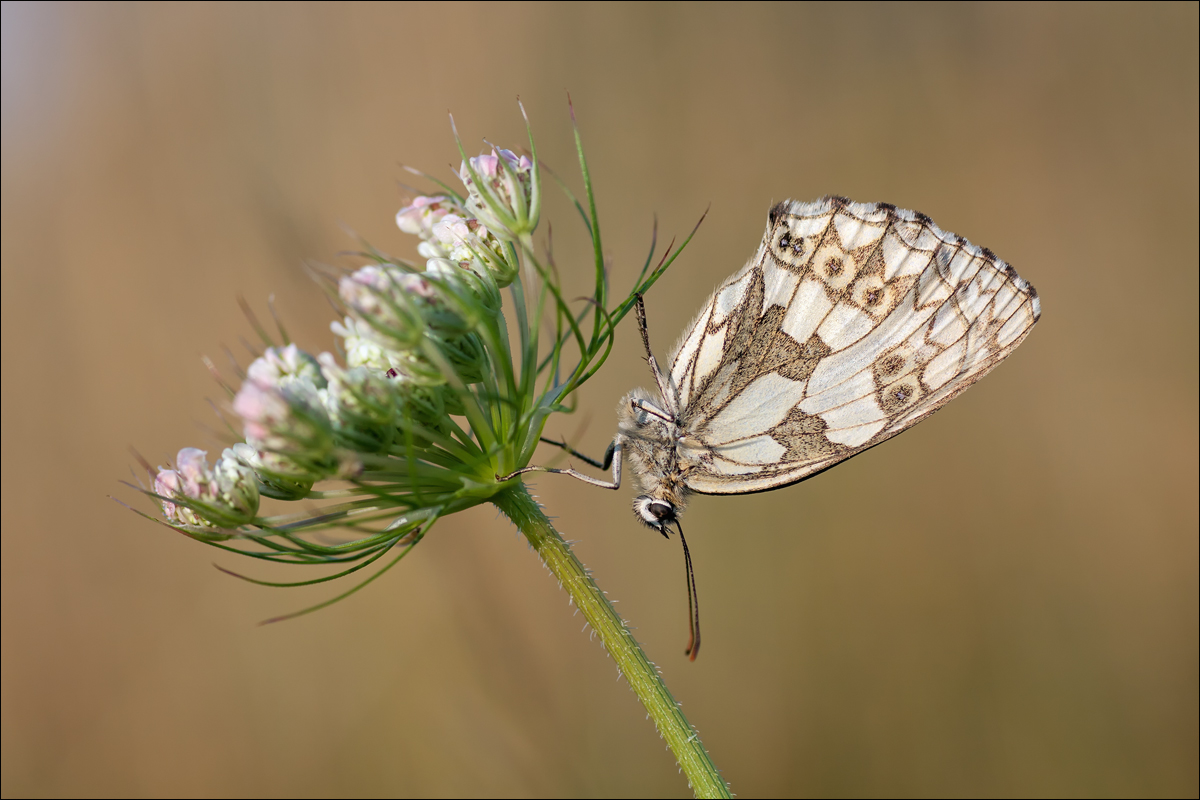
(1004, 600)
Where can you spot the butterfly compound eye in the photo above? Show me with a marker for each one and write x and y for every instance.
(661, 511)
(653, 512)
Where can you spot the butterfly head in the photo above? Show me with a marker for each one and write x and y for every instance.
(658, 513)
(655, 512)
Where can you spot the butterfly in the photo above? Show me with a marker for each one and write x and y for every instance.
(852, 323)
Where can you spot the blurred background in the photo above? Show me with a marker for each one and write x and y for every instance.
(1003, 600)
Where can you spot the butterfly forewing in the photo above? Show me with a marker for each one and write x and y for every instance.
(852, 323)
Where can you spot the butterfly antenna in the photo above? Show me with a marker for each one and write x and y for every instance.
(693, 647)
(663, 392)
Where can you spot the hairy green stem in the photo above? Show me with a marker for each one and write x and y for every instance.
(642, 675)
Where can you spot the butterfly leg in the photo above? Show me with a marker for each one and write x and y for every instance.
(611, 456)
(608, 454)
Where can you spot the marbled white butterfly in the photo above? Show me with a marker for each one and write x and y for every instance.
(853, 322)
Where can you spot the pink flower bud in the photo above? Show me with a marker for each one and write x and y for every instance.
(279, 366)
(261, 408)
(167, 483)
(422, 214)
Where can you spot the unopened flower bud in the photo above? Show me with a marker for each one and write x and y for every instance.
(168, 483)
(401, 306)
(362, 347)
(278, 416)
(419, 217)
(469, 281)
(444, 268)
(263, 409)
(224, 497)
(469, 240)
(192, 465)
(284, 415)
(362, 404)
(502, 192)
(281, 366)
(236, 488)
(359, 348)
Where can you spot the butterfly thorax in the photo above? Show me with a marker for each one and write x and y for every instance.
(655, 448)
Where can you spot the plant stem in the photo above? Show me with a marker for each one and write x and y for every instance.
(642, 675)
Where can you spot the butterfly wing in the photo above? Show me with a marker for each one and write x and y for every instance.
(852, 323)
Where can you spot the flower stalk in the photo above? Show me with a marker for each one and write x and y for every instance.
(643, 677)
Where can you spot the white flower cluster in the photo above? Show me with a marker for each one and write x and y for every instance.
(478, 233)
(302, 419)
(410, 343)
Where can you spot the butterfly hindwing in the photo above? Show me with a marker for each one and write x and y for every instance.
(852, 323)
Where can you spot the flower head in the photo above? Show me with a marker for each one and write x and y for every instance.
(283, 414)
(441, 398)
(225, 496)
(470, 242)
(362, 403)
(400, 306)
(502, 191)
